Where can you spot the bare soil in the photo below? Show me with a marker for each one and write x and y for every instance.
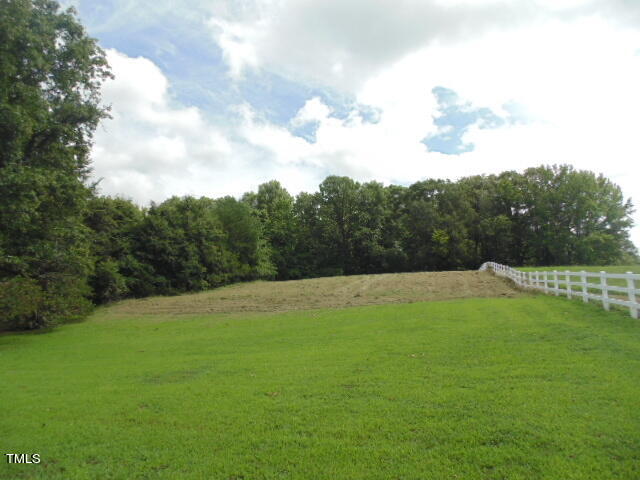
(328, 292)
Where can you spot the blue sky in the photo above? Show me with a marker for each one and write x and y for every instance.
(214, 98)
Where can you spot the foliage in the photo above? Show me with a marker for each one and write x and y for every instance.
(273, 206)
(180, 245)
(543, 216)
(243, 238)
(50, 75)
(113, 223)
(21, 300)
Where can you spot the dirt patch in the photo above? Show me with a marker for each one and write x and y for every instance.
(329, 292)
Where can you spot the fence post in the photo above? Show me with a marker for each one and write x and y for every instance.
(545, 279)
(605, 291)
(555, 283)
(567, 277)
(633, 310)
(583, 279)
(529, 281)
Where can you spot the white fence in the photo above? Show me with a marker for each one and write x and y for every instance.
(553, 282)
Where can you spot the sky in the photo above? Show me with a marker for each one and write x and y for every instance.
(216, 97)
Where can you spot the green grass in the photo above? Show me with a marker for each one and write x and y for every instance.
(527, 388)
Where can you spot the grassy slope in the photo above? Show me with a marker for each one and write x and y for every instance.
(525, 388)
(327, 292)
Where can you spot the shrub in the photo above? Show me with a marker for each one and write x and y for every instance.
(26, 305)
(21, 301)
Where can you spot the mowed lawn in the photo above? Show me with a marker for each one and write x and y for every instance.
(535, 387)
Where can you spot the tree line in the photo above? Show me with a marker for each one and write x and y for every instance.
(64, 248)
(543, 216)
(116, 249)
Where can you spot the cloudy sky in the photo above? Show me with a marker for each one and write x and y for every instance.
(215, 97)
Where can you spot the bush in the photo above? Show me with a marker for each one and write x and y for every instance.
(21, 301)
(107, 282)
(26, 305)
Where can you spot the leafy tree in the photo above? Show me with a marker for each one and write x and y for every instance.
(190, 244)
(435, 221)
(369, 251)
(309, 245)
(394, 257)
(180, 245)
(339, 217)
(274, 206)
(574, 217)
(113, 223)
(243, 237)
(50, 77)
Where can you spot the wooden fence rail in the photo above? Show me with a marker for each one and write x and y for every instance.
(553, 282)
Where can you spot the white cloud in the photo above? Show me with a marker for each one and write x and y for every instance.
(342, 43)
(238, 44)
(154, 148)
(147, 149)
(312, 111)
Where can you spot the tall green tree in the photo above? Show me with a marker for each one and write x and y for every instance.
(394, 256)
(340, 218)
(436, 217)
(574, 217)
(309, 250)
(114, 223)
(369, 250)
(274, 207)
(180, 245)
(244, 239)
(50, 78)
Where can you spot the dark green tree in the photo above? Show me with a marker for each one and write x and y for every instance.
(394, 256)
(435, 221)
(50, 78)
(180, 246)
(369, 251)
(339, 217)
(243, 238)
(574, 217)
(309, 247)
(274, 207)
(114, 223)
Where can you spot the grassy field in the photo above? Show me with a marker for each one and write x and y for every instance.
(534, 387)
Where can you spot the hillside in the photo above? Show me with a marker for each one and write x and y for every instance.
(328, 292)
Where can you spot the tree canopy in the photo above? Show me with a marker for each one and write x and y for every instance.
(50, 77)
